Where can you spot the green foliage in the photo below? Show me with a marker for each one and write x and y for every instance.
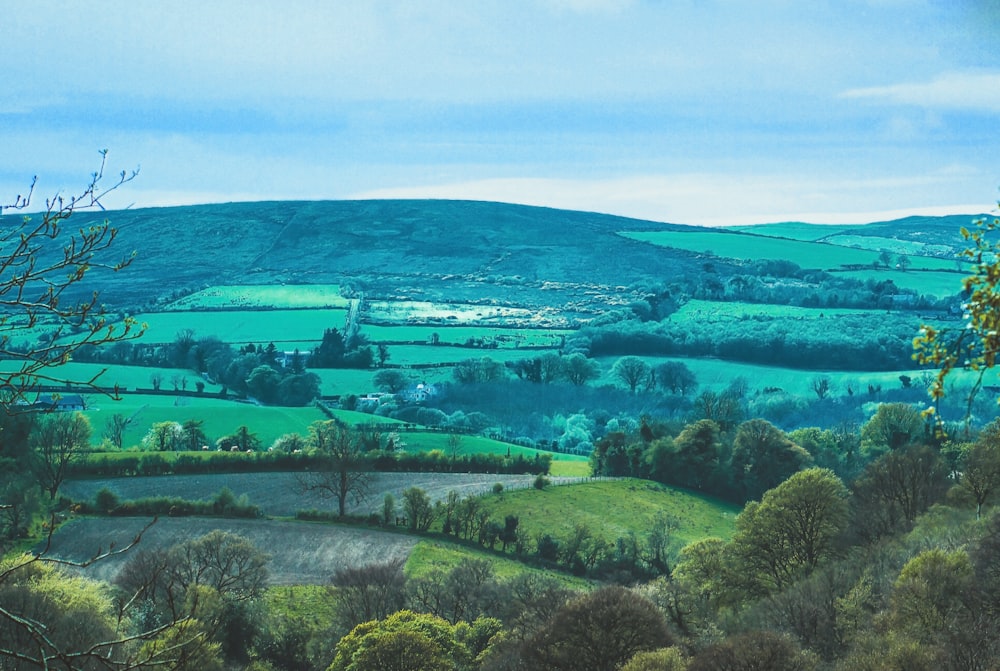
(404, 641)
(791, 531)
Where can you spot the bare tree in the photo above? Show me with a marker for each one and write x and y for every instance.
(340, 473)
(43, 269)
(114, 428)
(58, 439)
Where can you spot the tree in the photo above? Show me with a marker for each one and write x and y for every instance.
(114, 429)
(753, 651)
(696, 455)
(404, 641)
(600, 631)
(58, 439)
(891, 427)
(975, 344)
(340, 471)
(192, 435)
(791, 530)
(676, 377)
(579, 369)
(391, 380)
(43, 272)
(371, 592)
(980, 467)
(897, 487)
(262, 384)
(632, 371)
(763, 457)
(163, 437)
(418, 509)
(821, 386)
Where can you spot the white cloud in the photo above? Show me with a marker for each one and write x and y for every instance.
(954, 90)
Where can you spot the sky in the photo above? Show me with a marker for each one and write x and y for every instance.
(709, 112)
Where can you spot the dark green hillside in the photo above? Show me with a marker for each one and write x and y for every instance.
(429, 250)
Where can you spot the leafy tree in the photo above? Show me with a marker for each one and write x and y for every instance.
(763, 457)
(980, 468)
(600, 631)
(676, 377)
(891, 427)
(164, 436)
(391, 380)
(632, 371)
(579, 369)
(20, 502)
(404, 641)
(665, 659)
(418, 509)
(262, 384)
(58, 439)
(929, 593)
(341, 470)
(897, 487)
(696, 451)
(371, 592)
(753, 651)
(193, 436)
(299, 389)
(791, 530)
(478, 371)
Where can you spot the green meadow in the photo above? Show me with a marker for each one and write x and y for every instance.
(806, 254)
(230, 297)
(503, 338)
(238, 327)
(614, 508)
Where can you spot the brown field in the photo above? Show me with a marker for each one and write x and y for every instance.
(302, 553)
(277, 494)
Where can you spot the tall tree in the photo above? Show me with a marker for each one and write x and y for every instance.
(341, 472)
(58, 439)
(791, 530)
(763, 457)
(631, 371)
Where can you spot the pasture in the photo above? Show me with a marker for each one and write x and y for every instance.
(938, 283)
(285, 328)
(806, 254)
(230, 297)
(614, 508)
(504, 338)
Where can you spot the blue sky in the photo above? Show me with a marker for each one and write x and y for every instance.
(694, 111)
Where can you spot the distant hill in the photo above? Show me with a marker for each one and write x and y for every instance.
(439, 249)
(457, 250)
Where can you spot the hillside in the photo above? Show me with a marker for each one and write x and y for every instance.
(432, 250)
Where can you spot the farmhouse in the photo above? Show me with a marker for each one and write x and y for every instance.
(67, 403)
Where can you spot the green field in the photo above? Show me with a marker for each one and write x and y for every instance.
(237, 327)
(263, 296)
(614, 508)
(938, 283)
(504, 338)
(430, 556)
(126, 377)
(757, 247)
(410, 355)
(793, 230)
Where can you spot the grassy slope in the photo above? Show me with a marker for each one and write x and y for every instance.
(614, 508)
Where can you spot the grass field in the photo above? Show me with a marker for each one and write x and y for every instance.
(431, 555)
(263, 296)
(793, 230)
(238, 327)
(410, 355)
(614, 508)
(505, 338)
(756, 247)
(221, 417)
(937, 283)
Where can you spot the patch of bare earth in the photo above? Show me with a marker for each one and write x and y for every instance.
(279, 495)
(301, 553)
